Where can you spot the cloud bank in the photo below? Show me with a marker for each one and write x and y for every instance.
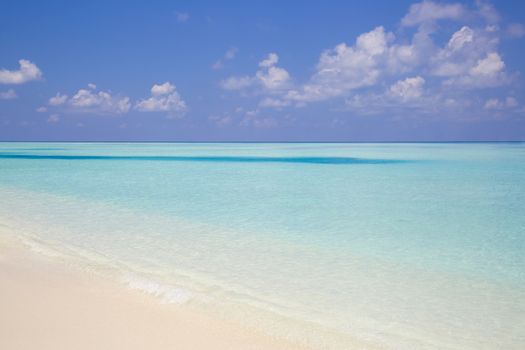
(383, 71)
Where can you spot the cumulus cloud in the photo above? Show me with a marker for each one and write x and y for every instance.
(273, 78)
(270, 61)
(28, 71)
(269, 77)
(407, 89)
(8, 95)
(164, 98)
(345, 68)
(402, 96)
(460, 38)
(490, 65)
(422, 67)
(488, 71)
(162, 89)
(99, 102)
(57, 100)
(457, 56)
(91, 101)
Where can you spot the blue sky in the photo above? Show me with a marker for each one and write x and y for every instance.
(262, 71)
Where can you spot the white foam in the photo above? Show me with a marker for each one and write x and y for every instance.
(167, 293)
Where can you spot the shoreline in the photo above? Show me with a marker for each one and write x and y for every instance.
(246, 316)
(49, 304)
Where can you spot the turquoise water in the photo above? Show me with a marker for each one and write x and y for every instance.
(397, 246)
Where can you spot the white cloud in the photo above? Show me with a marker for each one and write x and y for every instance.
(269, 77)
(182, 16)
(164, 98)
(408, 89)
(401, 96)
(8, 95)
(403, 101)
(41, 109)
(102, 102)
(162, 89)
(273, 78)
(345, 68)
(429, 11)
(488, 66)
(57, 100)
(462, 52)
(460, 38)
(486, 72)
(271, 60)
(371, 74)
(403, 58)
(28, 71)
(494, 103)
(470, 60)
(91, 101)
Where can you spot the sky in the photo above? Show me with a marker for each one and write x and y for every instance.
(262, 70)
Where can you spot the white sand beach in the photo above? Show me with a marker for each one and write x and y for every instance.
(46, 304)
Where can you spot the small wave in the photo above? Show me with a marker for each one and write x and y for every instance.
(168, 294)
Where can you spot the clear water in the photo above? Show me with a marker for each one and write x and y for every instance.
(397, 246)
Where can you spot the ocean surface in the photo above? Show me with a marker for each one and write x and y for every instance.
(395, 246)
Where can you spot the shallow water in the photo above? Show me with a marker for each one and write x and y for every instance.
(413, 246)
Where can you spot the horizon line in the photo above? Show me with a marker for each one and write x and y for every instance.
(237, 141)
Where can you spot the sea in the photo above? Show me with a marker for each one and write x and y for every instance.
(329, 245)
